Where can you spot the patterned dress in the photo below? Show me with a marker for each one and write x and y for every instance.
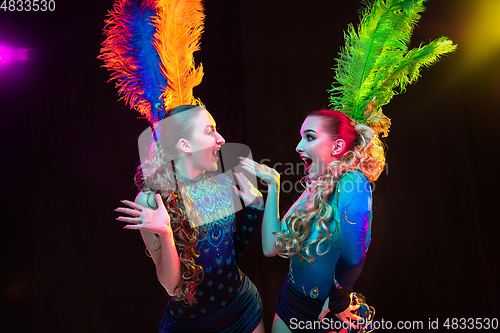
(219, 245)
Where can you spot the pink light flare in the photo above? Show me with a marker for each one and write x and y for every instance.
(10, 55)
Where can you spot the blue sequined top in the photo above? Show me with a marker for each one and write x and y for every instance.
(334, 273)
(219, 245)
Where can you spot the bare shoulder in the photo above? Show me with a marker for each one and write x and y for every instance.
(146, 199)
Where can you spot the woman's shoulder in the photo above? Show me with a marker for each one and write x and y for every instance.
(146, 199)
(351, 183)
(354, 176)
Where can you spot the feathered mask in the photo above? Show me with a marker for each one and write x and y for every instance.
(375, 63)
(149, 49)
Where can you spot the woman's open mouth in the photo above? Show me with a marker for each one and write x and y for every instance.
(214, 153)
(307, 161)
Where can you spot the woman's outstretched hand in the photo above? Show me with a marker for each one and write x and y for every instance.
(267, 174)
(157, 221)
(250, 195)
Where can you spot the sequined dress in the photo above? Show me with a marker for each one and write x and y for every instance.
(219, 245)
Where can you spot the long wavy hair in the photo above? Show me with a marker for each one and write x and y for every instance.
(157, 174)
(363, 152)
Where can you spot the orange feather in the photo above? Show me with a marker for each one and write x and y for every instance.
(180, 25)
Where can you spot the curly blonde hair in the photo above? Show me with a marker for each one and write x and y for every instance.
(157, 174)
(363, 152)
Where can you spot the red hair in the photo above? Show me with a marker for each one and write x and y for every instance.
(339, 126)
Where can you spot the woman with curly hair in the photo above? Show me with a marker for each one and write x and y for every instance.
(186, 219)
(326, 232)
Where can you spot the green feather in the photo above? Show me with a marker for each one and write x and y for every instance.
(408, 70)
(375, 63)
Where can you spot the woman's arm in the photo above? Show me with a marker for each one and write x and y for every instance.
(354, 202)
(246, 229)
(253, 213)
(157, 234)
(271, 218)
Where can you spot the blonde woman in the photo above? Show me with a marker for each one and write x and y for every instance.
(326, 232)
(186, 219)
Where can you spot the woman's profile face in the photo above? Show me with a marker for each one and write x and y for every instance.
(204, 142)
(315, 146)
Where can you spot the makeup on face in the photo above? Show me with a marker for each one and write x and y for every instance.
(315, 147)
(205, 143)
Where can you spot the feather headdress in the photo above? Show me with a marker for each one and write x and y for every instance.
(149, 48)
(375, 63)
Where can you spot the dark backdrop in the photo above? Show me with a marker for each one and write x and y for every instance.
(69, 155)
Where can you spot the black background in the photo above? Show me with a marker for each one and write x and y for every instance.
(69, 155)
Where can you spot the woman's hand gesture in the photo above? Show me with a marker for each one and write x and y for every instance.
(267, 174)
(250, 195)
(157, 221)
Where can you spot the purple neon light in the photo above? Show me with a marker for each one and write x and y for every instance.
(9, 54)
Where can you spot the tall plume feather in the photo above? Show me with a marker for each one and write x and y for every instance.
(129, 53)
(375, 63)
(149, 50)
(180, 25)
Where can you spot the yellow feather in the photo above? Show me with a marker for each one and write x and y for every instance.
(180, 25)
